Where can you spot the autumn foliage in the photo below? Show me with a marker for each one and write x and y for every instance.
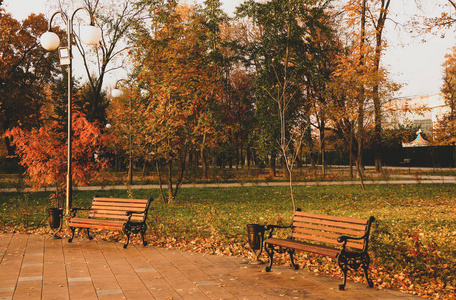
(43, 152)
(445, 131)
(26, 69)
(179, 109)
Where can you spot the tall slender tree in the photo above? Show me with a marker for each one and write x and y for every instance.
(282, 52)
(184, 92)
(379, 15)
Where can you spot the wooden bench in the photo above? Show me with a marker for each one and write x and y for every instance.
(127, 215)
(345, 239)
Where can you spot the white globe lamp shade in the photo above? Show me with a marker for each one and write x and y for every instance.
(144, 93)
(49, 40)
(116, 93)
(90, 35)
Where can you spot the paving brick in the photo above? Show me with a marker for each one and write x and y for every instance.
(40, 267)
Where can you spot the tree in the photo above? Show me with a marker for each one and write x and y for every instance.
(379, 16)
(181, 113)
(116, 22)
(282, 55)
(435, 23)
(400, 133)
(445, 132)
(26, 69)
(250, 123)
(324, 48)
(364, 80)
(43, 152)
(239, 115)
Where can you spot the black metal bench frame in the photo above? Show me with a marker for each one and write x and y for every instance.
(345, 239)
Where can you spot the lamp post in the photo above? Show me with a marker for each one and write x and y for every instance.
(116, 93)
(90, 35)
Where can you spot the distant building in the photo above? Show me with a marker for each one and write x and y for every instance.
(423, 111)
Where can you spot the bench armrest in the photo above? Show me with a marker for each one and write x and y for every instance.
(272, 227)
(130, 213)
(344, 239)
(74, 211)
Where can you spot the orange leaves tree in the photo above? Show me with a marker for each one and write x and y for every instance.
(362, 84)
(43, 152)
(445, 132)
(179, 114)
(26, 69)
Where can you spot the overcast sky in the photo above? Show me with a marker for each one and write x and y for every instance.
(411, 62)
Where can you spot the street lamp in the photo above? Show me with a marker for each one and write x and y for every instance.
(90, 35)
(116, 93)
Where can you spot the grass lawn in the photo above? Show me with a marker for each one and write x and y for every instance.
(412, 244)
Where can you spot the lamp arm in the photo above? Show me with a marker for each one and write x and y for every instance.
(52, 17)
(120, 80)
(92, 23)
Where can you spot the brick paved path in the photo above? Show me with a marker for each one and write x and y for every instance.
(39, 267)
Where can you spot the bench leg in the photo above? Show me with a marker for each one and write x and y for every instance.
(270, 251)
(343, 264)
(128, 239)
(143, 233)
(73, 229)
(365, 267)
(354, 262)
(291, 253)
(88, 234)
(342, 286)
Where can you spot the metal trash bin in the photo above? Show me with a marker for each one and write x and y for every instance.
(55, 220)
(255, 233)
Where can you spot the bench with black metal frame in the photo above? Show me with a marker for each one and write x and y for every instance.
(126, 215)
(343, 238)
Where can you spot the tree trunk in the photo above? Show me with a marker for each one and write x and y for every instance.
(351, 151)
(361, 96)
(377, 103)
(322, 148)
(170, 182)
(286, 173)
(203, 159)
(272, 167)
(160, 183)
(204, 165)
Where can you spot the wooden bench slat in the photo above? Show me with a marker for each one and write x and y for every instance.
(311, 232)
(328, 217)
(320, 239)
(119, 206)
(121, 200)
(95, 221)
(114, 212)
(305, 220)
(113, 217)
(99, 226)
(299, 227)
(303, 246)
(117, 203)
